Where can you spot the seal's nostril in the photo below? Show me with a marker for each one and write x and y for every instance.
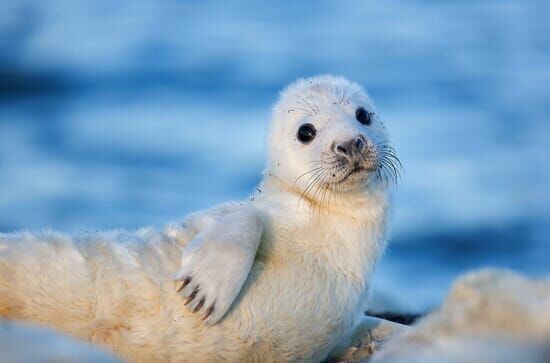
(359, 144)
(342, 149)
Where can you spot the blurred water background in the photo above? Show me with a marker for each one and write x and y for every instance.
(132, 113)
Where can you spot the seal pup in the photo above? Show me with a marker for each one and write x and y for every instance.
(282, 277)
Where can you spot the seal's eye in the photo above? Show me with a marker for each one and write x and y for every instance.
(363, 116)
(306, 133)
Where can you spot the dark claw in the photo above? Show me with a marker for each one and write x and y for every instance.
(193, 295)
(199, 305)
(209, 312)
(185, 283)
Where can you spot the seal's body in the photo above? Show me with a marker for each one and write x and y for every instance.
(282, 277)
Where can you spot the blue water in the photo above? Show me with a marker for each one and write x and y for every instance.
(138, 113)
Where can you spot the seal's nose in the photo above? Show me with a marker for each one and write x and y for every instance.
(350, 148)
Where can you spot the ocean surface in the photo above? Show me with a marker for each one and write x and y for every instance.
(136, 113)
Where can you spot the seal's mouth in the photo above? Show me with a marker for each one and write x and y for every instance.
(356, 170)
(332, 172)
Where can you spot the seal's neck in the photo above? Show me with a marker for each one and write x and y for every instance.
(352, 226)
(327, 202)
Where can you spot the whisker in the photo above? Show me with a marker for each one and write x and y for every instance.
(344, 94)
(351, 96)
(306, 173)
(311, 181)
(300, 109)
(322, 195)
(314, 197)
(315, 109)
(309, 185)
(388, 163)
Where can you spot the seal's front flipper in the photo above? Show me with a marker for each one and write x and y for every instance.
(216, 262)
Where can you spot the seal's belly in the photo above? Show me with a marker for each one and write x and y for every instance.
(294, 308)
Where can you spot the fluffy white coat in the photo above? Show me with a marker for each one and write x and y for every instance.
(303, 297)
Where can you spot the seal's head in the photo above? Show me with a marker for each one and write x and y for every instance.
(327, 136)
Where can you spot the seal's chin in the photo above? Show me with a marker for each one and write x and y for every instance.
(354, 171)
(356, 179)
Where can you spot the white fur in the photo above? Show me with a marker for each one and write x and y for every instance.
(218, 259)
(303, 297)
